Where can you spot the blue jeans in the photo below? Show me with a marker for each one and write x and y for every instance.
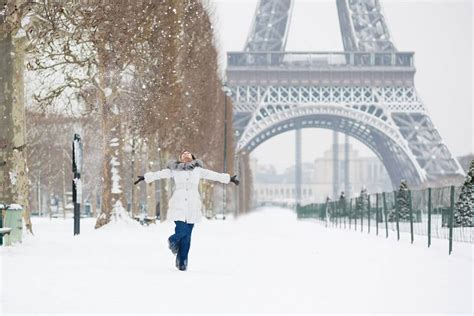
(181, 239)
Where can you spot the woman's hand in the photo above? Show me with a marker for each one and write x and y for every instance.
(140, 178)
(234, 179)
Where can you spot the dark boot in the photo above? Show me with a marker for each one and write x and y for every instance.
(181, 266)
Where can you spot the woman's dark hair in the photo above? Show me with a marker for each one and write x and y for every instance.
(182, 151)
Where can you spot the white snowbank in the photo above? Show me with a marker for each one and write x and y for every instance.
(263, 262)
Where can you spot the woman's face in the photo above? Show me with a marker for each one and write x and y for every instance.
(186, 156)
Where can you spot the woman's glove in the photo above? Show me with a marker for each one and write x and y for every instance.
(140, 178)
(234, 179)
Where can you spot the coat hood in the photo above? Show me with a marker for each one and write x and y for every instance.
(178, 165)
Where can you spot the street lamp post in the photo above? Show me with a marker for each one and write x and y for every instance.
(228, 93)
(237, 172)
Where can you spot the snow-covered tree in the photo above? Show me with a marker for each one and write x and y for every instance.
(176, 109)
(146, 71)
(464, 208)
(92, 46)
(403, 202)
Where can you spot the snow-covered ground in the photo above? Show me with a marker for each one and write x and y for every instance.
(266, 261)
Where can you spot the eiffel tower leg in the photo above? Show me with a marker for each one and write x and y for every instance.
(426, 145)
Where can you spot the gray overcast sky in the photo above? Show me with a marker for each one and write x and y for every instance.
(440, 32)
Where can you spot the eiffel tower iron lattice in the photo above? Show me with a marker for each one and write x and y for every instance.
(367, 91)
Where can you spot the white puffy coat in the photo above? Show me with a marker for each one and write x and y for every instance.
(185, 204)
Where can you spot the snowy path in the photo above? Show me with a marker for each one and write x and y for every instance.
(263, 262)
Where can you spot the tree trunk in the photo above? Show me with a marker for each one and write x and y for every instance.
(113, 197)
(13, 169)
(50, 206)
(94, 203)
(151, 165)
(6, 119)
(64, 186)
(136, 159)
(246, 185)
(165, 187)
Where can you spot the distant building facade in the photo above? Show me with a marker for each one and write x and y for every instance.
(272, 187)
(363, 171)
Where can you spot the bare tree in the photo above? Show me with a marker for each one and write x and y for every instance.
(144, 73)
(93, 44)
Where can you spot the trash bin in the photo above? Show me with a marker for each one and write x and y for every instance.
(14, 220)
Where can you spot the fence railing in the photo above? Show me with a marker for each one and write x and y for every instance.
(430, 213)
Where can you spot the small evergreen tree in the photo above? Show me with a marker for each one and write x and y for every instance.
(464, 208)
(402, 206)
(327, 209)
(342, 204)
(403, 202)
(362, 202)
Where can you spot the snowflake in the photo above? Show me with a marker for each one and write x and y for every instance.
(107, 92)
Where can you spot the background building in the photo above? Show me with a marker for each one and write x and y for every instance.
(317, 179)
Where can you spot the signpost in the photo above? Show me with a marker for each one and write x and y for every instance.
(76, 181)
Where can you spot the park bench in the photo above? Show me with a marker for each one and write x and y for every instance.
(4, 231)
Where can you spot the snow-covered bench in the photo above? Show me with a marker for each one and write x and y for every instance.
(5, 231)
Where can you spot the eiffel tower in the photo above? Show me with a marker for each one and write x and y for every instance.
(366, 91)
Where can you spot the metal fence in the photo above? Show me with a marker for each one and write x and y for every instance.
(430, 213)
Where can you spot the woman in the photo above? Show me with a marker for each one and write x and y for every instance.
(185, 203)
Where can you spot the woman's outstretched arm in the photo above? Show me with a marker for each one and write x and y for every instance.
(214, 176)
(161, 174)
